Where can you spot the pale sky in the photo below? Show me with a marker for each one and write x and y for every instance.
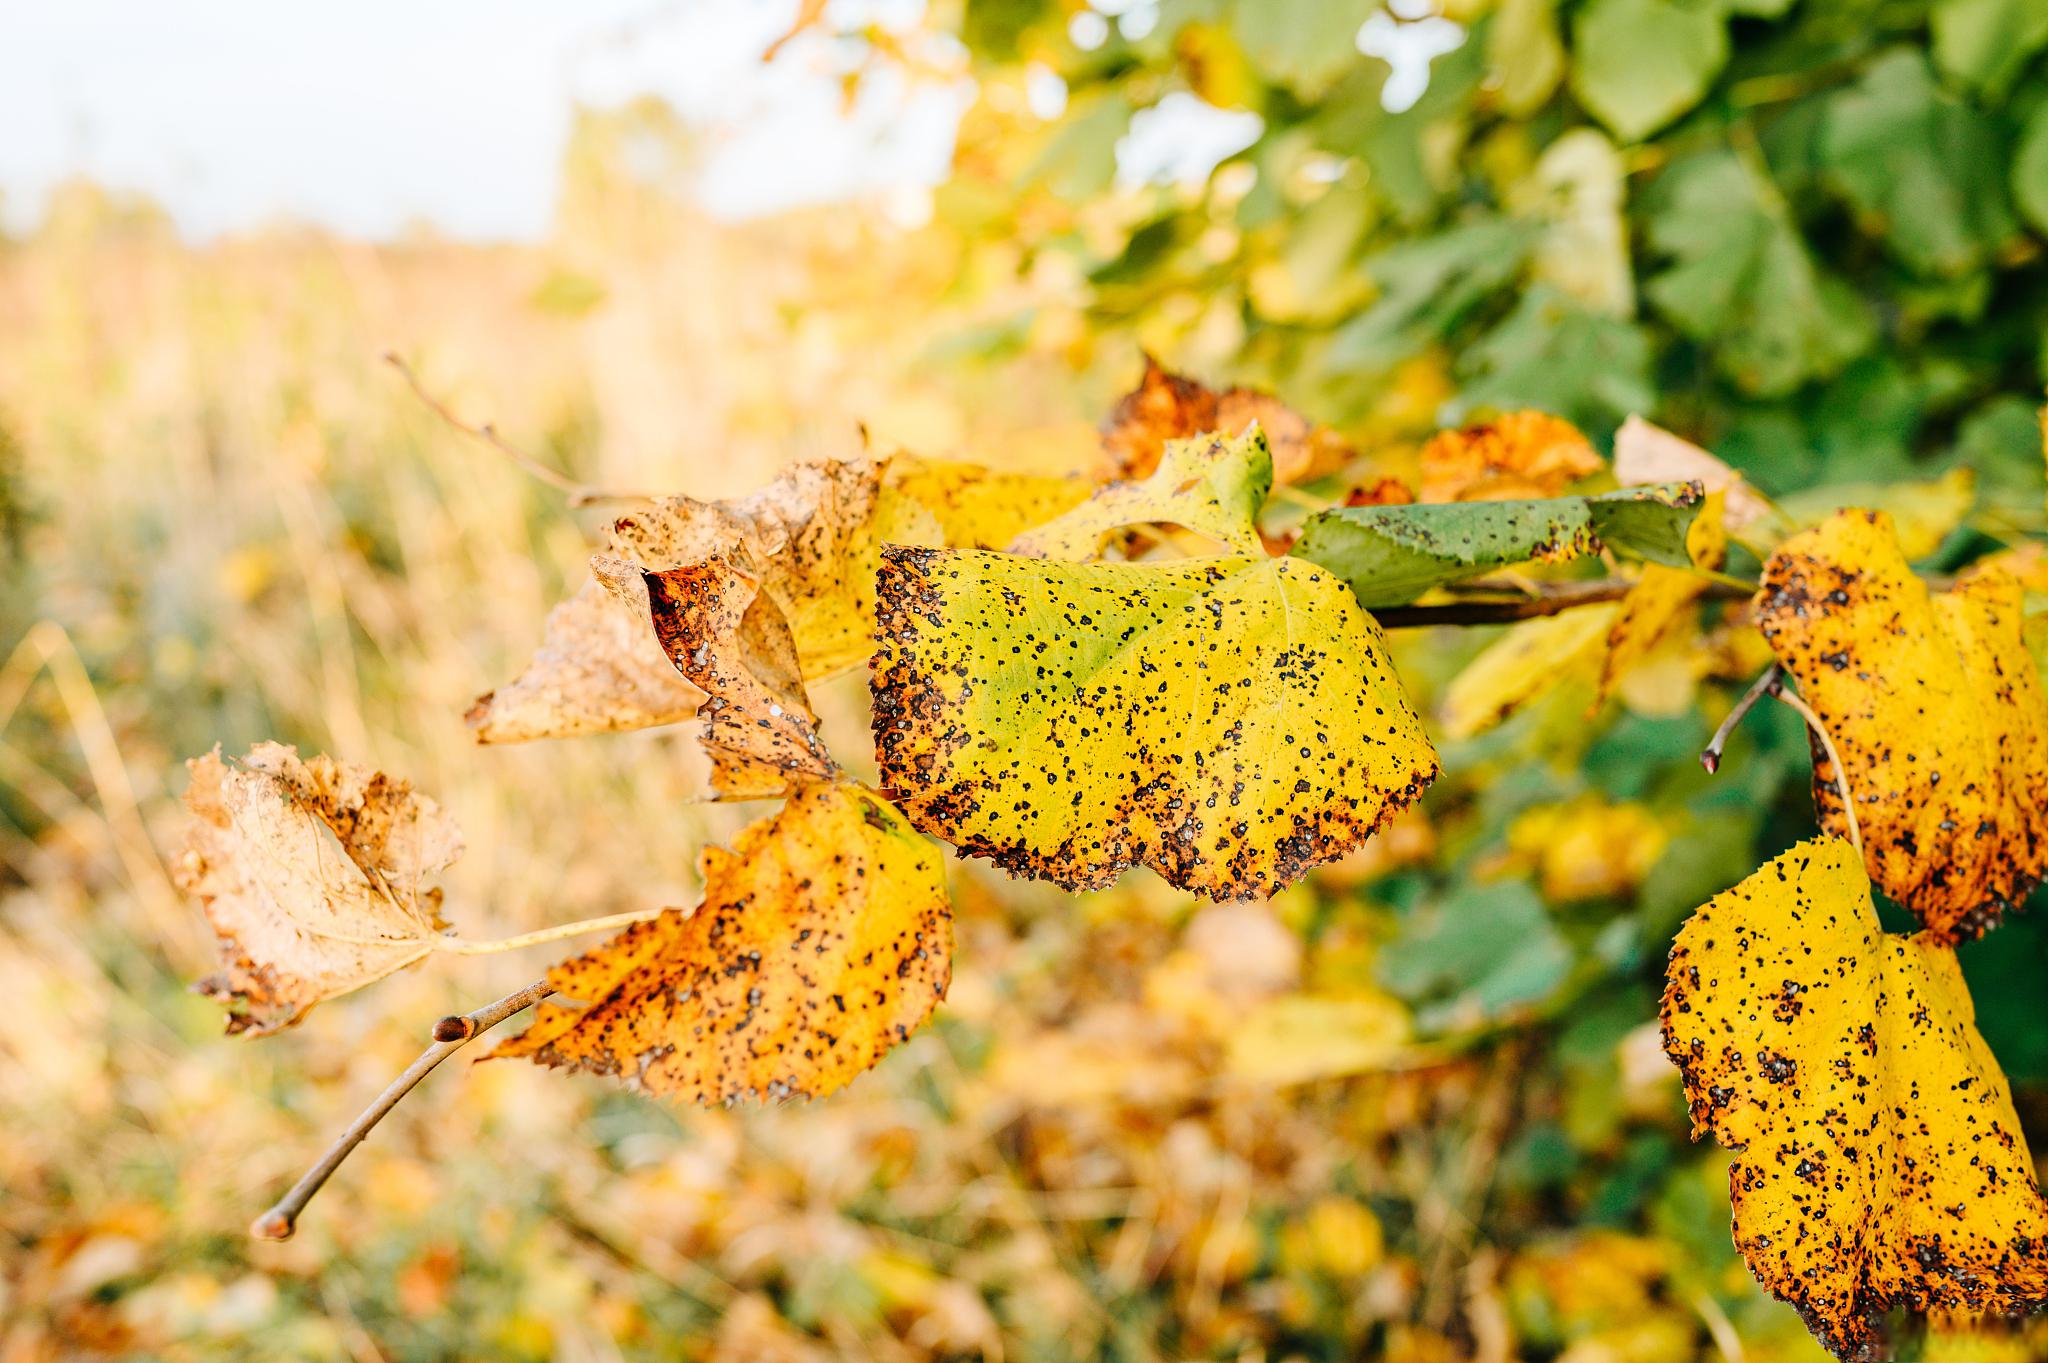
(371, 116)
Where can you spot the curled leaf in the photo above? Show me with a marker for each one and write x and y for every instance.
(1879, 1163)
(1936, 708)
(723, 633)
(311, 873)
(1518, 455)
(1229, 722)
(598, 670)
(1392, 554)
(823, 941)
(1210, 485)
(1167, 406)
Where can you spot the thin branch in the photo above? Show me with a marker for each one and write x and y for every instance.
(1555, 597)
(1770, 683)
(577, 493)
(1834, 760)
(451, 1034)
(554, 934)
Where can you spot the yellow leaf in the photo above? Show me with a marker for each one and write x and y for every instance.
(1936, 708)
(310, 873)
(1229, 722)
(1167, 406)
(976, 508)
(1588, 848)
(1208, 484)
(1923, 513)
(1527, 661)
(1299, 1038)
(1880, 1165)
(823, 941)
(723, 633)
(1660, 597)
(1516, 455)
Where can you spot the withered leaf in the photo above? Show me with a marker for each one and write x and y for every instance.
(1229, 722)
(311, 873)
(823, 941)
(1516, 455)
(599, 669)
(1167, 406)
(1936, 708)
(1879, 1163)
(722, 632)
(1210, 485)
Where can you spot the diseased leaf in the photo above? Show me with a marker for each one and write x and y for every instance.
(598, 670)
(721, 631)
(1936, 708)
(1229, 722)
(1209, 484)
(812, 538)
(1647, 453)
(1516, 455)
(311, 874)
(978, 508)
(1924, 511)
(824, 940)
(1879, 1165)
(1392, 554)
(1168, 406)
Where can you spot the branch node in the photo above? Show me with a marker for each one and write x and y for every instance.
(454, 1028)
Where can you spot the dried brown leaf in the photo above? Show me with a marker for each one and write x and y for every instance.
(1168, 406)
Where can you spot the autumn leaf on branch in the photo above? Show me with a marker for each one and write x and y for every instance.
(1209, 484)
(311, 873)
(722, 632)
(1229, 722)
(1936, 708)
(1390, 555)
(1879, 1163)
(1168, 406)
(823, 941)
(1661, 597)
(1516, 455)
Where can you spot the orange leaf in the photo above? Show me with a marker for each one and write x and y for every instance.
(1937, 709)
(1168, 406)
(824, 939)
(1520, 454)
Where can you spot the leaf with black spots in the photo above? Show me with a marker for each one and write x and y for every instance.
(1210, 485)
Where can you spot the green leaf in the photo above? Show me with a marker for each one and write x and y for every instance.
(1211, 484)
(1525, 51)
(1426, 288)
(1553, 354)
(1741, 281)
(2030, 171)
(1638, 64)
(1392, 554)
(1229, 722)
(1923, 170)
(1302, 44)
(1474, 954)
(1985, 43)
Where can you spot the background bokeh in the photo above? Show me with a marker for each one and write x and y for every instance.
(1414, 1109)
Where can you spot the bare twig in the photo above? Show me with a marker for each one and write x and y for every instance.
(462, 947)
(1551, 599)
(577, 493)
(451, 1034)
(1769, 684)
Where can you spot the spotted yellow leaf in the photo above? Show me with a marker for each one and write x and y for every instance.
(1210, 484)
(1879, 1162)
(1229, 722)
(823, 941)
(1936, 708)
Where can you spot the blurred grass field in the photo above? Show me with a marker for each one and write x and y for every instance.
(248, 529)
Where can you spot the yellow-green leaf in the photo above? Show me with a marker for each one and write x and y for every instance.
(1229, 722)
(1210, 484)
